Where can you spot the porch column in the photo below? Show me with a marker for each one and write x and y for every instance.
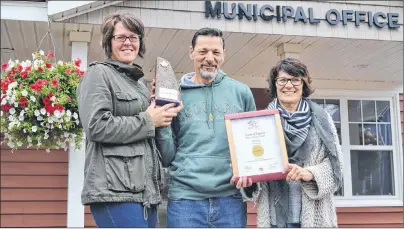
(291, 50)
(75, 210)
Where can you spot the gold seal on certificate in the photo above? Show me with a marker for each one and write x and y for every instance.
(257, 145)
(257, 150)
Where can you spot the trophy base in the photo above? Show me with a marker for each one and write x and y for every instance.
(162, 102)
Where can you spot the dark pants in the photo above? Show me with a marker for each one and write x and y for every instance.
(213, 212)
(123, 215)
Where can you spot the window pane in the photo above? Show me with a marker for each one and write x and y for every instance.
(332, 107)
(369, 110)
(383, 111)
(384, 134)
(372, 173)
(340, 191)
(355, 134)
(319, 102)
(354, 111)
(370, 134)
(338, 127)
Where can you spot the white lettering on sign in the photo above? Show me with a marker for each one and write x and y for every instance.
(168, 93)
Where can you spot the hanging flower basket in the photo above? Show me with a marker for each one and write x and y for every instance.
(38, 103)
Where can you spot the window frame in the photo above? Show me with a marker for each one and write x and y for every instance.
(348, 200)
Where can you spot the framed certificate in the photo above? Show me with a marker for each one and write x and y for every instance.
(257, 145)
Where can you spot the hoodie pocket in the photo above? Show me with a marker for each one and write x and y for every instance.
(125, 168)
(203, 173)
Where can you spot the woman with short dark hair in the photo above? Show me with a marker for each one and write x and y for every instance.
(314, 172)
(123, 172)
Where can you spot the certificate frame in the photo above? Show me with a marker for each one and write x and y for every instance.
(276, 131)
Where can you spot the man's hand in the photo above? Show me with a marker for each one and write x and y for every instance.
(297, 173)
(162, 116)
(242, 181)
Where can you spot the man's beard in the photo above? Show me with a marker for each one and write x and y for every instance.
(208, 75)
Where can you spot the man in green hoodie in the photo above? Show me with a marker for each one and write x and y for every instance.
(195, 146)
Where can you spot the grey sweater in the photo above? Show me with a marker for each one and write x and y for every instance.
(317, 205)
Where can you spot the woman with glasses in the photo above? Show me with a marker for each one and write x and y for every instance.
(314, 172)
(123, 172)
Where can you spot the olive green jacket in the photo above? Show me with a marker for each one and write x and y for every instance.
(122, 161)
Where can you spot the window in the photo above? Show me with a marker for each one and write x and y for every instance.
(371, 148)
(333, 108)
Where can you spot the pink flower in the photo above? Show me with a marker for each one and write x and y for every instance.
(4, 66)
(50, 54)
(55, 82)
(77, 62)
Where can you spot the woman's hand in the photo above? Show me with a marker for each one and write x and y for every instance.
(162, 116)
(153, 90)
(242, 181)
(297, 173)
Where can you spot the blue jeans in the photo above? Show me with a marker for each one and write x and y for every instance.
(290, 225)
(123, 215)
(213, 212)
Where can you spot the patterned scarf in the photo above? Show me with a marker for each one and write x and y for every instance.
(296, 126)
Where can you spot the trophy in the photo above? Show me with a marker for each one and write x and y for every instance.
(167, 87)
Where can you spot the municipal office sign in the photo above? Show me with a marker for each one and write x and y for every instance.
(281, 13)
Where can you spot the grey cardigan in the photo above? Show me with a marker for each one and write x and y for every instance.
(318, 209)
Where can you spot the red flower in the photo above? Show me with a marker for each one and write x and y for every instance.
(50, 109)
(67, 72)
(77, 62)
(79, 72)
(19, 67)
(35, 87)
(46, 101)
(42, 82)
(55, 82)
(4, 65)
(6, 107)
(28, 68)
(23, 102)
(59, 107)
(50, 54)
(5, 83)
(50, 95)
(48, 65)
(24, 74)
(11, 73)
(40, 69)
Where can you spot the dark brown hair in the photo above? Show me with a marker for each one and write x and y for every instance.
(130, 22)
(207, 32)
(293, 67)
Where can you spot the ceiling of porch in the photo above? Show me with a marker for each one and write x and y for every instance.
(248, 56)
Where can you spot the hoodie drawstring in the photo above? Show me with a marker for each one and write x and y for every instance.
(211, 107)
(206, 107)
(209, 112)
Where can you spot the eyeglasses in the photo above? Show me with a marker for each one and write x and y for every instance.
(284, 81)
(121, 38)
